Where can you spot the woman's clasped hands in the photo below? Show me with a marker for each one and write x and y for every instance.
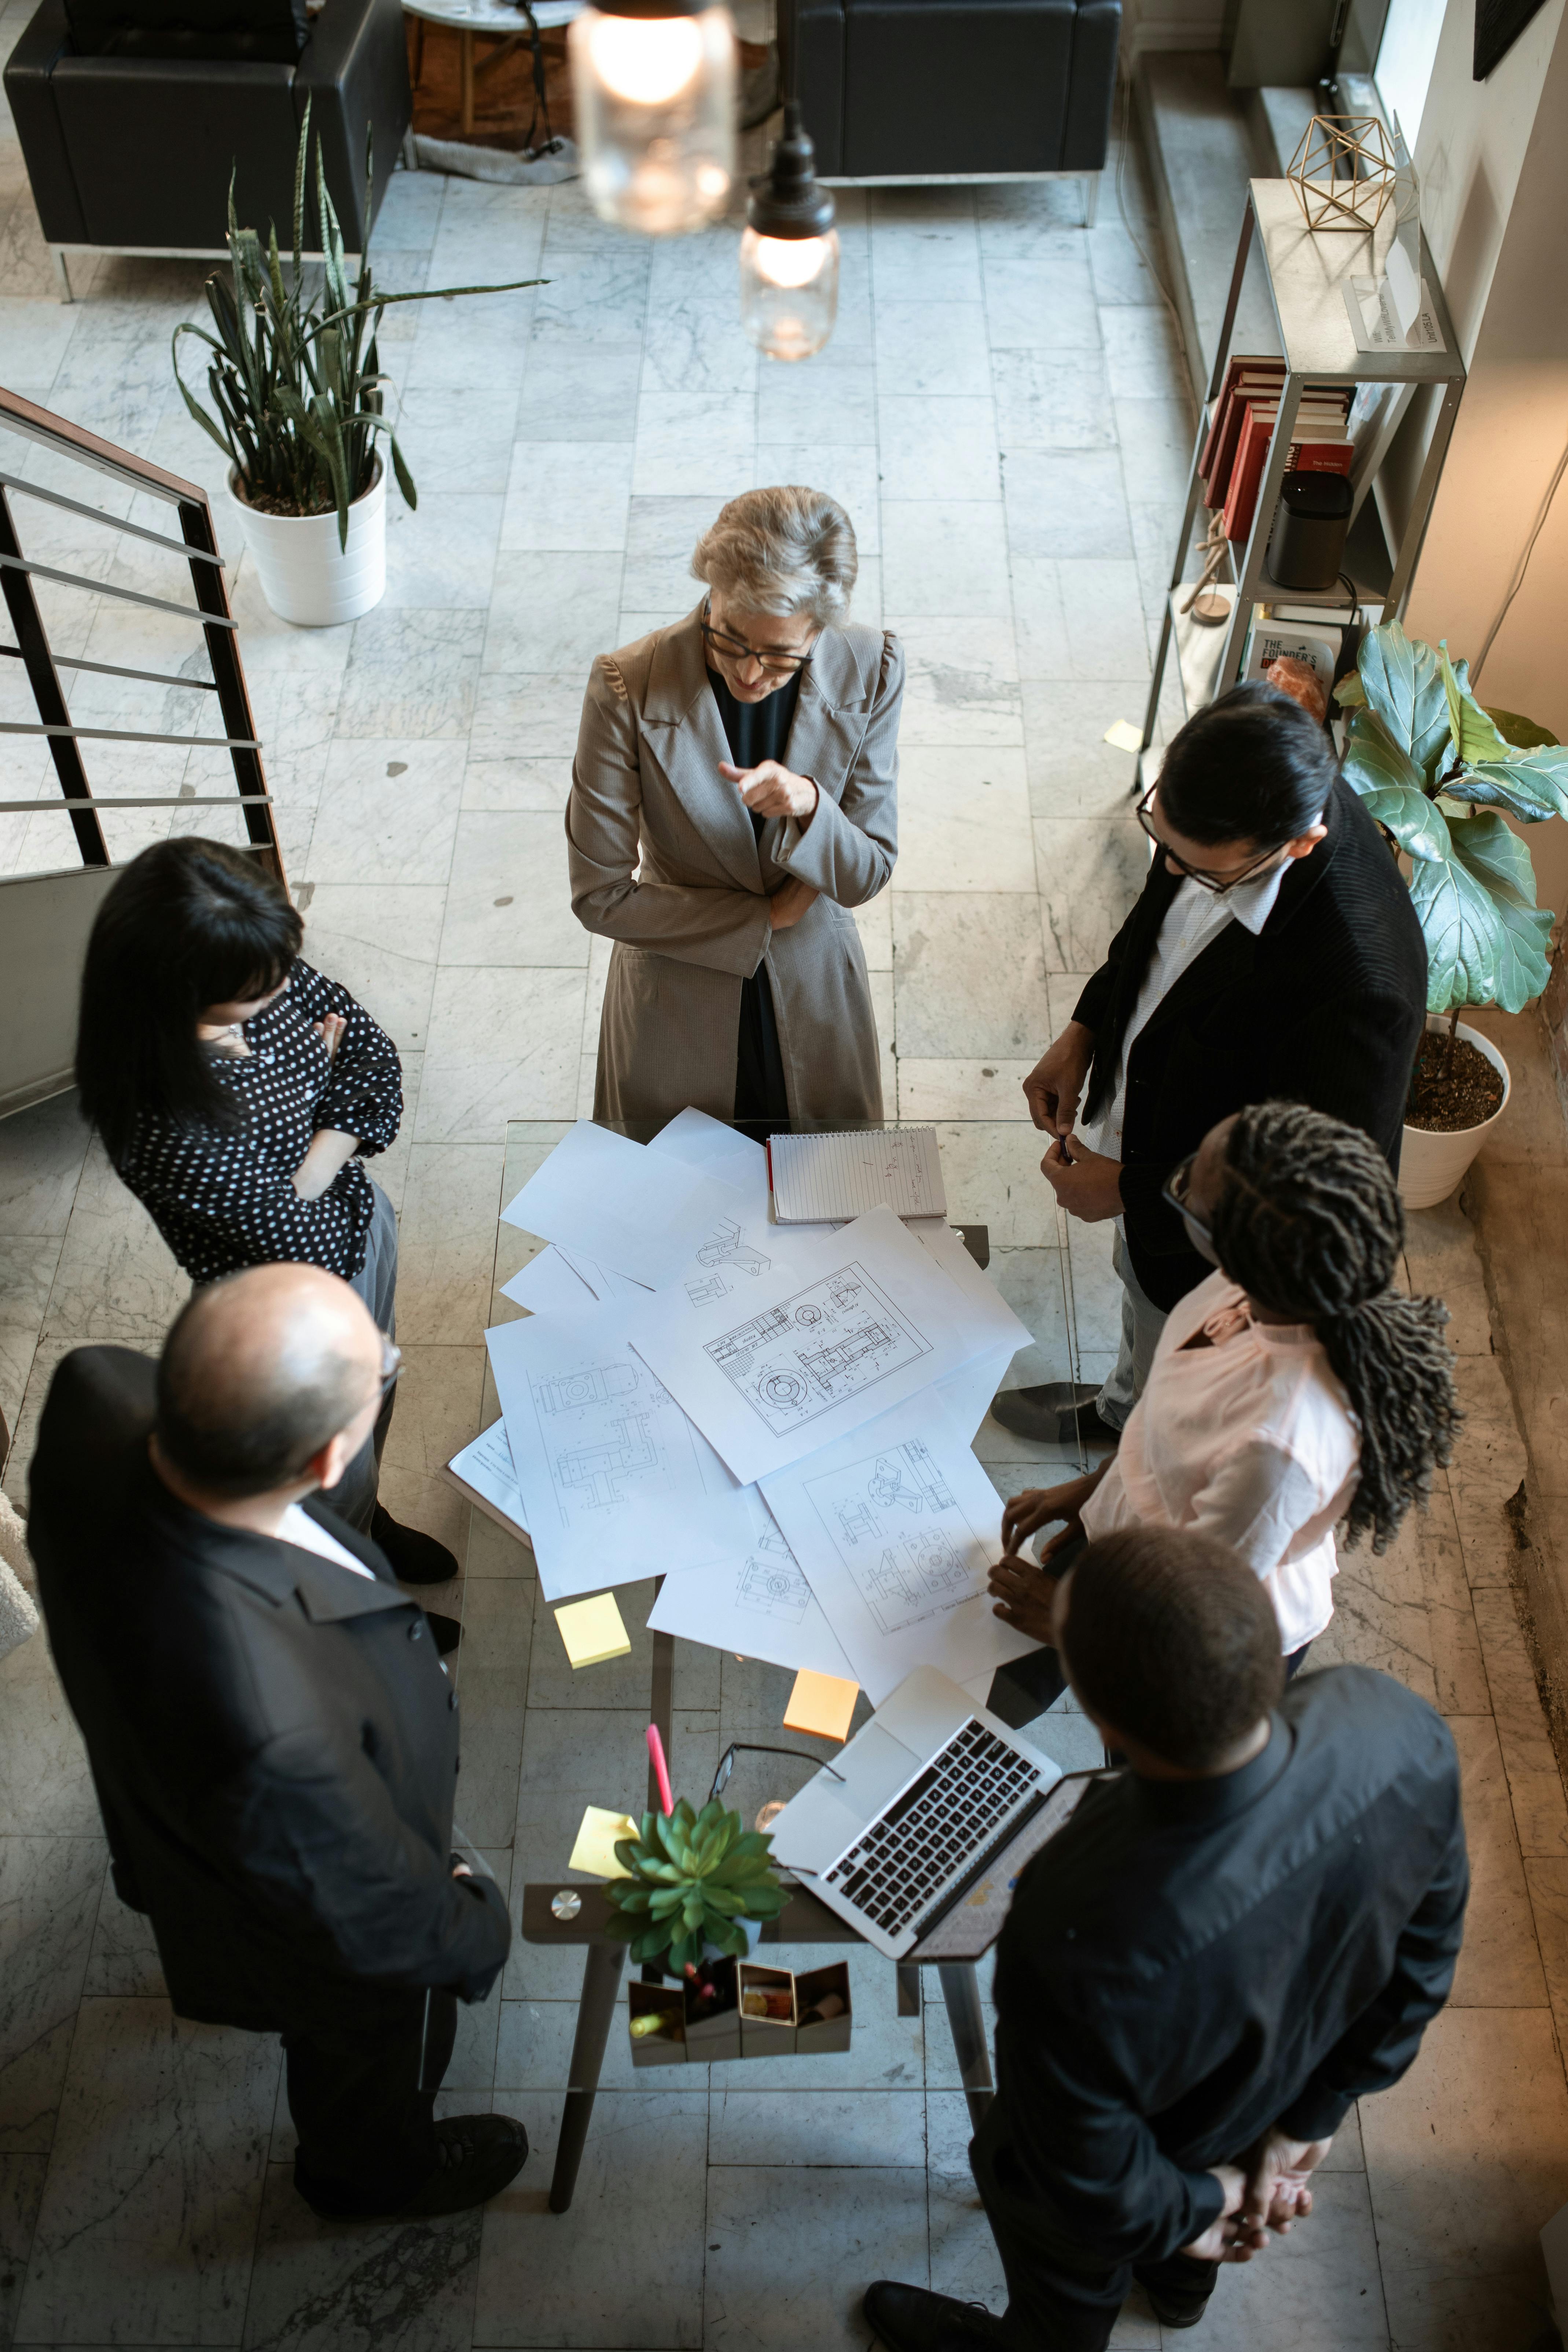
(1025, 1594)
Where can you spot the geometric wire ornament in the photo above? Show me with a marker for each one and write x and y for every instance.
(1342, 171)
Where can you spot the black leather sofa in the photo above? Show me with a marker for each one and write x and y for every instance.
(132, 114)
(919, 90)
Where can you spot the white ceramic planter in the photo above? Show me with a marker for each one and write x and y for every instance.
(305, 575)
(1431, 1166)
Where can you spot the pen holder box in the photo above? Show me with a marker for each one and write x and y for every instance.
(824, 2015)
(713, 2013)
(663, 2042)
(767, 2012)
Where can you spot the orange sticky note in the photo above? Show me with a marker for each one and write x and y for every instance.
(821, 1704)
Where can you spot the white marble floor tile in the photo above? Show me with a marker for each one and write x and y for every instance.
(50, 1890)
(960, 681)
(552, 613)
(875, 924)
(492, 1681)
(458, 438)
(508, 901)
(447, 1241)
(411, 674)
(389, 811)
(577, 390)
(1500, 1965)
(359, 2286)
(1044, 400)
(814, 2127)
(938, 445)
(1066, 503)
(500, 1046)
(931, 347)
(551, 2279)
(1073, 771)
(1043, 302)
(944, 556)
(567, 497)
(969, 975)
(1089, 874)
(116, 1278)
(442, 554)
(696, 344)
(966, 818)
(693, 445)
(925, 259)
(792, 2251)
(149, 2214)
(954, 1089)
(437, 1412)
(661, 537)
(828, 400)
(380, 940)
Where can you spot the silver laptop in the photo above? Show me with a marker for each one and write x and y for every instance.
(891, 1833)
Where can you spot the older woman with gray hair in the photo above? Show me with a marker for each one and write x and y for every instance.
(732, 798)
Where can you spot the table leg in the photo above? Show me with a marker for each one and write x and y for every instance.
(596, 2013)
(909, 1993)
(661, 1704)
(466, 45)
(967, 2017)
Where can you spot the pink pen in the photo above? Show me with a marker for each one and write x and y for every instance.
(660, 1769)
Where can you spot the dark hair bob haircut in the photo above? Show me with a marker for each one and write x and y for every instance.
(1252, 765)
(189, 923)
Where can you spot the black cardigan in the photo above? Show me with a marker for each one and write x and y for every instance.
(1325, 1006)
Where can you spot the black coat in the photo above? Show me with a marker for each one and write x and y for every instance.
(273, 1738)
(1325, 1006)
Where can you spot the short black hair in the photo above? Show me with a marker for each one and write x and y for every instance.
(1252, 765)
(188, 924)
(1172, 1639)
(235, 1442)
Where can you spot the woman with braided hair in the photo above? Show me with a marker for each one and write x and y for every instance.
(1294, 1388)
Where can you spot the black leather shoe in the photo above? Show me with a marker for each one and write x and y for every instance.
(1172, 2312)
(412, 1557)
(912, 2319)
(445, 1632)
(476, 2156)
(1050, 1416)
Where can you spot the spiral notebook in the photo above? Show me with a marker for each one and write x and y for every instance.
(821, 1179)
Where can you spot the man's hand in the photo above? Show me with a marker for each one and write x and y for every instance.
(789, 903)
(773, 790)
(1086, 1183)
(1037, 1507)
(330, 1030)
(1234, 2238)
(1023, 1596)
(1053, 1086)
(1276, 2173)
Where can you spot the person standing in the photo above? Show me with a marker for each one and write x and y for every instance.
(239, 1094)
(273, 1739)
(1274, 953)
(1296, 1387)
(1235, 1937)
(733, 798)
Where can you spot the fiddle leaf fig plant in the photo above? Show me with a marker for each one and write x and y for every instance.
(694, 1877)
(1440, 773)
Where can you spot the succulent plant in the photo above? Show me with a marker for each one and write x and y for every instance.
(694, 1877)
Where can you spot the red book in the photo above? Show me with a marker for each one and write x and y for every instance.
(1266, 371)
(1246, 473)
(1321, 424)
(1321, 456)
(1254, 384)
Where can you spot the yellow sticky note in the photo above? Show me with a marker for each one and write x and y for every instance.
(592, 1631)
(1125, 735)
(596, 1840)
(822, 1704)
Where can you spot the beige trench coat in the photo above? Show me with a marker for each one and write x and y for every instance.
(692, 923)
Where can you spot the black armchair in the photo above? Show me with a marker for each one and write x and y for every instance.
(133, 117)
(919, 90)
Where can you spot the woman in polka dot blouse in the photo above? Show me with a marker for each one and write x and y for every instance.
(239, 1094)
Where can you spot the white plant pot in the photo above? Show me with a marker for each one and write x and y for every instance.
(1433, 1165)
(305, 575)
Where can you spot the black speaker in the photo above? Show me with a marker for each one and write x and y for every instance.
(1308, 546)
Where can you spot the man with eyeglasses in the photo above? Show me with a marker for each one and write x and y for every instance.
(1273, 953)
(273, 1737)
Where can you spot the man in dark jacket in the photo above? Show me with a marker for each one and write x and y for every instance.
(1232, 1939)
(273, 1738)
(1273, 954)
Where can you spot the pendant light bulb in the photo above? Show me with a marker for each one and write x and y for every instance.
(789, 254)
(654, 86)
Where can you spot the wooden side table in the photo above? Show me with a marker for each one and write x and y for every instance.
(489, 20)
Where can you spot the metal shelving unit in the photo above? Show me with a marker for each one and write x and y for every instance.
(1306, 273)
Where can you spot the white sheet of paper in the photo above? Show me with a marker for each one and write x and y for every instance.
(603, 1281)
(995, 1321)
(548, 1285)
(897, 1528)
(615, 1482)
(486, 1466)
(601, 1195)
(755, 1602)
(967, 1394)
(853, 1325)
(707, 1143)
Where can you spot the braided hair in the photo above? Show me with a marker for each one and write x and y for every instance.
(1309, 1223)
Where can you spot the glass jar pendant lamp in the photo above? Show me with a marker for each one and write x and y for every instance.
(789, 254)
(654, 84)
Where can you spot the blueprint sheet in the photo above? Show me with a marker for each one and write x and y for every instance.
(853, 1323)
(600, 1195)
(485, 1467)
(897, 1528)
(757, 1603)
(615, 1482)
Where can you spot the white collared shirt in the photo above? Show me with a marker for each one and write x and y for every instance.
(300, 1528)
(1194, 920)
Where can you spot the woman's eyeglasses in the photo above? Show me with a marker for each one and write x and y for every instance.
(776, 664)
(1177, 1190)
(1219, 883)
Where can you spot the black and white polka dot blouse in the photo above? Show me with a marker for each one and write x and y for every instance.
(224, 1198)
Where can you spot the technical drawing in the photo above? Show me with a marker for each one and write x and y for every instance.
(602, 1469)
(771, 1585)
(708, 1291)
(895, 1524)
(612, 1434)
(599, 1384)
(727, 1248)
(833, 1340)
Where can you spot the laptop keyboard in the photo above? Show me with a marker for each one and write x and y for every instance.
(943, 1822)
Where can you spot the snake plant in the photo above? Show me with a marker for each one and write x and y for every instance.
(693, 1878)
(1440, 773)
(294, 376)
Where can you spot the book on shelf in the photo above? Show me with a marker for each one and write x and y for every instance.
(1319, 447)
(1320, 416)
(1250, 379)
(1269, 638)
(1257, 368)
